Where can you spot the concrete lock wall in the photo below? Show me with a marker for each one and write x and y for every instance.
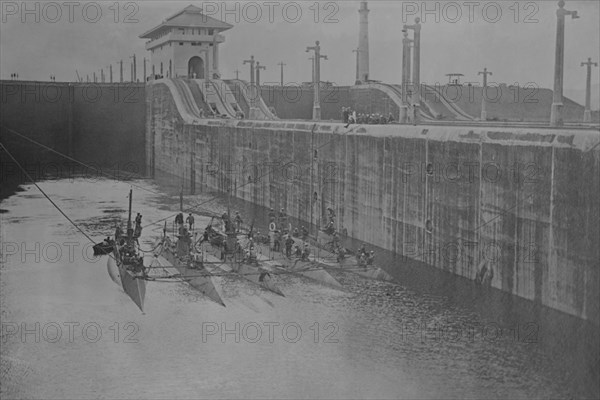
(524, 201)
(97, 123)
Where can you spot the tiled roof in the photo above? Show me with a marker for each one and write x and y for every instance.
(189, 17)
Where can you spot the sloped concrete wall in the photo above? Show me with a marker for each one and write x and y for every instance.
(524, 201)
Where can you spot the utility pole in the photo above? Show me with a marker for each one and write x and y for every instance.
(94, 76)
(121, 64)
(405, 76)
(102, 75)
(258, 68)
(281, 64)
(587, 114)
(556, 113)
(133, 70)
(110, 72)
(237, 74)
(144, 77)
(485, 73)
(251, 62)
(356, 80)
(416, 81)
(253, 90)
(416, 28)
(317, 79)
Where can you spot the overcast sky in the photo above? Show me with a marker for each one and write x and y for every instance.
(466, 37)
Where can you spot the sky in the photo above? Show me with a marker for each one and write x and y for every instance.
(513, 39)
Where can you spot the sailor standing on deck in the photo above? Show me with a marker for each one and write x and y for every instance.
(306, 252)
(278, 239)
(190, 221)
(138, 226)
(304, 233)
(336, 241)
(371, 258)
(272, 215)
(282, 218)
(238, 221)
(118, 233)
(289, 243)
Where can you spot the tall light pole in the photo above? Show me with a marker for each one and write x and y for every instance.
(133, 70)
(312, 64)
(251, 62)
(405, 76)
(281, 64)
(556, 113)
(110, 72)
(237, 74)
(356, 80)
(416, 28)
(317, 79)
(144, 77)
(258, 68)
(121, 69)
(587, 114)
(485, 73)
(253, 111)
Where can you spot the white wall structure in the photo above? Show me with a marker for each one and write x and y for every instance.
(186, 45)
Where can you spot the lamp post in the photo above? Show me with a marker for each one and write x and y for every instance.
(405, 76)
(317, 79)
(587, 114)
(133, 70)
(281, 64)
(258, 68)
(253, 111)
(485, 73)
(556, 113)
(356, 80)
(416, 28)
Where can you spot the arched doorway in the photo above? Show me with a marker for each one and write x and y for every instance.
(196, 66)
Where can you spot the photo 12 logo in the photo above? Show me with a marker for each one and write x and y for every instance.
(49, 252)
(471, 11)
(68, 332)
(53, 12)
(254, 332)
(272, 11)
